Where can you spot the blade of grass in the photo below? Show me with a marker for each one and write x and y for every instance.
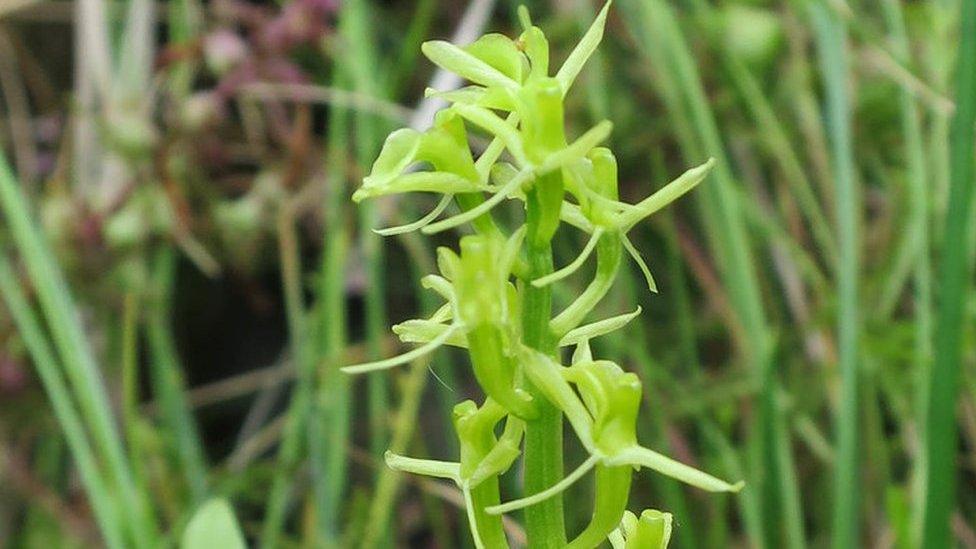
(167, 378)
(663, 77)
(136, 52)
(92, 79)
(918, 182)
(941, 426)
(831, 36)
(300, 406)
(405, 423)
(330, 428)
(916, 257)
(15, 96)
(938, 61)
(185, 22)
(102, 497)
(129, 358)
(357, 29)
(418, 31)
(388, 481)
(775, 139)
(76, 355)
(663, 40)
(801, 87)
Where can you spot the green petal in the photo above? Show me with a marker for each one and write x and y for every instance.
(399, 151)
(635, 254)
(537, 50)
(464, 64)
(574, 265)
(213, 525)
(427, 467)
(420, 223)
(666, 195)
(597, 329)
(501, 53)
(578, 149)
(638, 456)
(405, 357)
(582, 52)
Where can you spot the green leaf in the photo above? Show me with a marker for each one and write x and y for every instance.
(213, 525)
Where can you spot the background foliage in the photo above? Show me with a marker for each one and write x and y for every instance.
(183, 272)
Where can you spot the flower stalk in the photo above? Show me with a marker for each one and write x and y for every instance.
(498, 292)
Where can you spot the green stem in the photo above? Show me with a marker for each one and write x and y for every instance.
(544, 522)
(490, 527)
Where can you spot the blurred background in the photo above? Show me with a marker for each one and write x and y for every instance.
(183, 272)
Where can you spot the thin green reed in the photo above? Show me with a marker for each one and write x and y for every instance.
(775, 139)
(167, 377)
(357, 32)
(831, 37)
(498, 292)
(912, 255)
(329, 435)
(915, 251)
(658, 31)
(404, 423)
(642, 25)
(76, 356)
(101, 493)
(317, 416)
(955, 285)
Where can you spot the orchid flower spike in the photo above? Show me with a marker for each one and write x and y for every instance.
(491, 294)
